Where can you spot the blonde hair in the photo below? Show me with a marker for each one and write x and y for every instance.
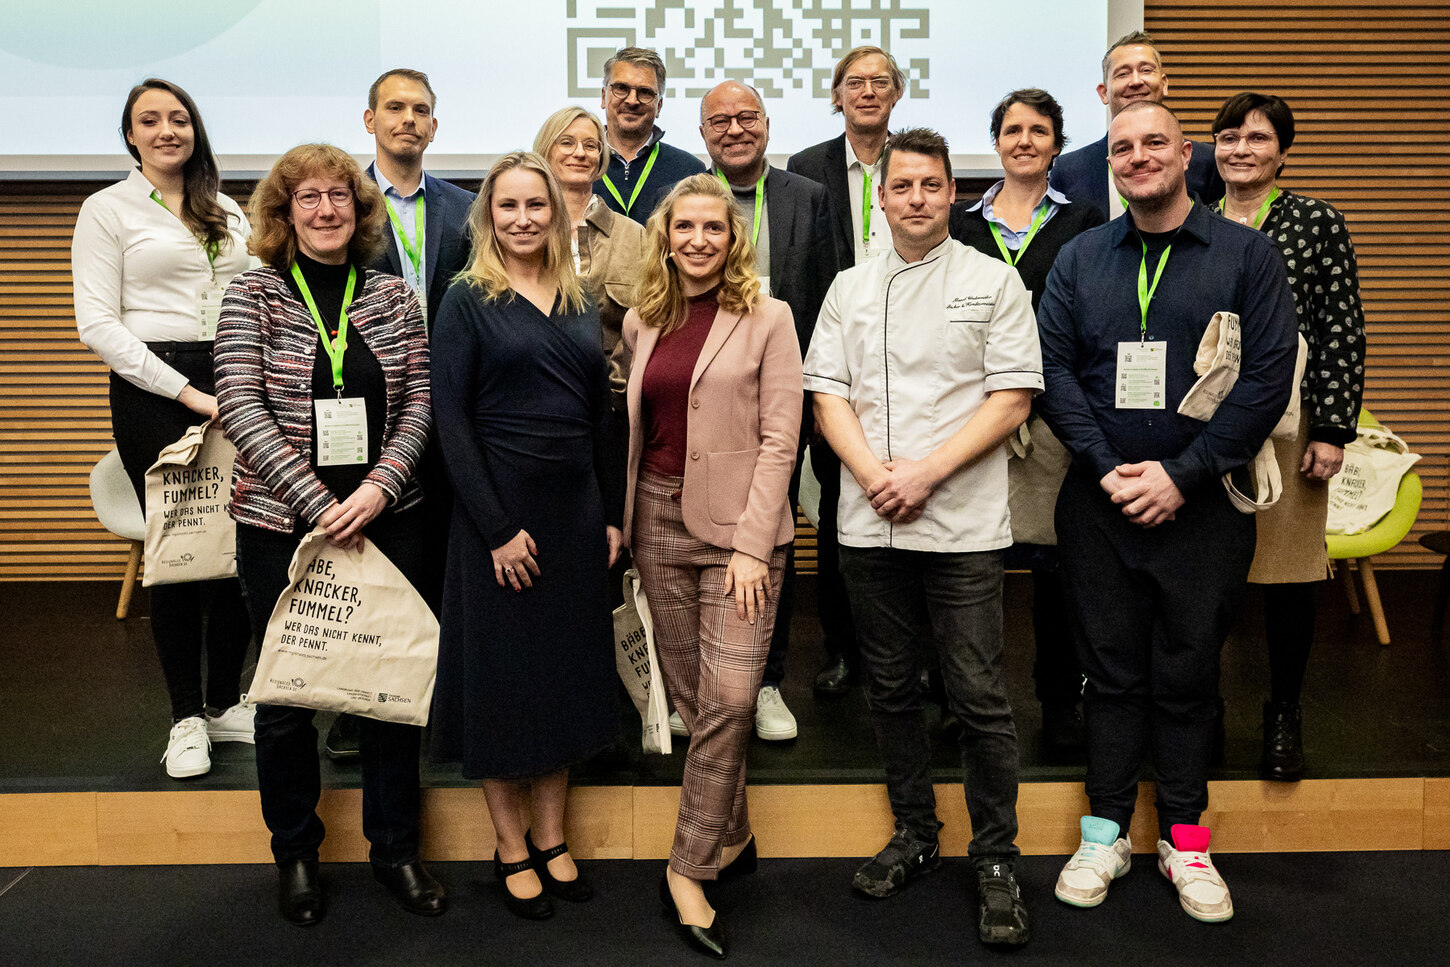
(274, 238)
(557, 123)
(488, 271)
(660, 298)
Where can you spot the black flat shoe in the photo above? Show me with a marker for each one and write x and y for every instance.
(834, 679)
(742, 865)
(1283, 757)
(413, 887)
(535, 907)
(299, 893)
(707, 940)
(576, 890)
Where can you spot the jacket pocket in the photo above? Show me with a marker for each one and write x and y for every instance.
(727, 481)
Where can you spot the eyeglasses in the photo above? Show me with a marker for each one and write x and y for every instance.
(570, 144)
(1258, 140)
(310, 198)
(879, 85)
(644, 95)
(720, 123)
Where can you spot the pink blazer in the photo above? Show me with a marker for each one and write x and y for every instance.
(742, 430)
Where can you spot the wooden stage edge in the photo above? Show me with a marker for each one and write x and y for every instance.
(624, 822)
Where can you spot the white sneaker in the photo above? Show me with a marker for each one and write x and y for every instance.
(773, 721)
(1201, 891)
(677, 726)
(188, 750)
(1102, 857)
(236, 724)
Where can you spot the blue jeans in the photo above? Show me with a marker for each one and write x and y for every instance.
(901, 600)
(288, 775)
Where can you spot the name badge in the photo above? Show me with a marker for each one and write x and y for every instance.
(342, 432)
(209, 310)
(1142, 375)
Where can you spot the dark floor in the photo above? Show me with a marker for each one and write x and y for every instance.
(1340, 909)
(82, 704)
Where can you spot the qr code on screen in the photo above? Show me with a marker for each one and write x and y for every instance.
(779, 47)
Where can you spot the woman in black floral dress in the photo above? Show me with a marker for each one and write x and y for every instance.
(1252, 136)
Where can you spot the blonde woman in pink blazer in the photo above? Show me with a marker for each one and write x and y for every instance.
(714, 415)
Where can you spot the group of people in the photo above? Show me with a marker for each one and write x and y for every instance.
(614, 349)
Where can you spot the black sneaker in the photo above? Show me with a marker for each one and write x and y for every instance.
(1001, 917)
(906, 856)
(342, 739)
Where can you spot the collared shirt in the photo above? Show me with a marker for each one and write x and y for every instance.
(407, 209)
(138, 274)
(1091, 305)
(915, 347)
(879, 239)
(1012, 238)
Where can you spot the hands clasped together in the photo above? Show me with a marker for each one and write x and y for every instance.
(1146, 493)
(515, 564)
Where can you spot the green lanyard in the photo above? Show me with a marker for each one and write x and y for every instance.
(210, 248)
(1263, 209)
(759, 203)
(865, 206)
(638, 185)
(337, 344)
(1145, 294)
(1037, 221)
(412, 246)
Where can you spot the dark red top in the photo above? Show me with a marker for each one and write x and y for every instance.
(665, 388)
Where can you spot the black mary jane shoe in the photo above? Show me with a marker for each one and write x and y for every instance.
(299, 892)
(707, 940)
(576, 890)
(536, 907)
(413, 887)
(742, 865)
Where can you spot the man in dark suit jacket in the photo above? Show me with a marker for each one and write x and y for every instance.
(865, 86)
(791, 228)
(1132, 71)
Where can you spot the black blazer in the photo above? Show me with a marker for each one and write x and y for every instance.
(802, 259)
(447, 247)
(825, 164)
(1082, 175)
(971, 229)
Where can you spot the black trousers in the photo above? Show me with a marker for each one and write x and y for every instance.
(186, 619)
(832, 603)
(288, 775)
(1057, 680)
(1152, 607)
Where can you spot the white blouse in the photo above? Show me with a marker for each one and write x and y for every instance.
(138, 274)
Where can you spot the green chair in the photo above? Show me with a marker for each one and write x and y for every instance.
(1357, 549)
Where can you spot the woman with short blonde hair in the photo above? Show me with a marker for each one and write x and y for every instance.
(714, 415)
(526, 682)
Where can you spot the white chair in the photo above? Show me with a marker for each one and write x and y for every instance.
(119, 511)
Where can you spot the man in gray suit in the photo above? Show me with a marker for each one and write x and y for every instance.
(796, 259)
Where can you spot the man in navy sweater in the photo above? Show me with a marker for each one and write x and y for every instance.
(1154, 555)
(1132, 71)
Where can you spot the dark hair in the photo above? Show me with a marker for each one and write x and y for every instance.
(1274, 108)
(409, 73)
(200, 175)
(1138, 38)
(1041, 102)
(639, 57)
(916, 141)
(274, 237)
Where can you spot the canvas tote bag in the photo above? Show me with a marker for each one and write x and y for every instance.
(189, 534)
(639, 667)
(350, 634)
(1365, 488)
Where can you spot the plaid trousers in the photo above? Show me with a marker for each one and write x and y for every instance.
(712, 661)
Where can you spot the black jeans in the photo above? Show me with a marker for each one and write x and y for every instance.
(288, 776)
(832, 604)
(199, 615)
(1056, 677)
(1152, 608)
(903, 600)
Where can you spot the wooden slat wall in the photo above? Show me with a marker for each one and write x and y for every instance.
(1370, 85)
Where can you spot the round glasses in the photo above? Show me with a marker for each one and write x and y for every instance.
(570, 144)
(644, 95)
(747, 120)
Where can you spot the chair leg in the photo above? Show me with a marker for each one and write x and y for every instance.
(128, 584)
(1347, 575)
(1442, 598)
(1372, 596)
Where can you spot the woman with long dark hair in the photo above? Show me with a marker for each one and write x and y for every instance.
(151, 257)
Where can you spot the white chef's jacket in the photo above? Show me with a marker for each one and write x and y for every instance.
(915, 348)
(138, 274)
